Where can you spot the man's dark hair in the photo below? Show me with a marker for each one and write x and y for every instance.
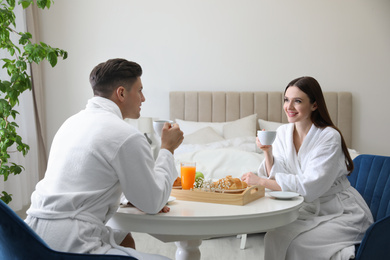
(109, 75)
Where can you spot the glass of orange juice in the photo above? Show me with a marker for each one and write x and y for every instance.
(187, 170)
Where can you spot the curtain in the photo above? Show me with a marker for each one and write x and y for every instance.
(37, 94)
(31, 127)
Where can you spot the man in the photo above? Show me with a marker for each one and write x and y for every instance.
(95, 156)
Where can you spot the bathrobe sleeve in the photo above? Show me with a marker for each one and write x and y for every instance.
(145, 183)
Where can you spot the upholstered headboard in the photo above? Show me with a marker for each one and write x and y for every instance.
(228, 106)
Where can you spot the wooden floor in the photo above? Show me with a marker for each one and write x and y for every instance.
(225, 248)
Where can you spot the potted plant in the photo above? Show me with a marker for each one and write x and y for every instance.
(21, 54)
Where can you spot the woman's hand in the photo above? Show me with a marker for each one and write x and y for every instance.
(265, 148)
(269, 159)
(251, 179)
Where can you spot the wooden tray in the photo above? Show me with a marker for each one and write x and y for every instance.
(250, 194)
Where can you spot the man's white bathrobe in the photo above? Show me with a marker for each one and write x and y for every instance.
(95, 156)
(334, 216)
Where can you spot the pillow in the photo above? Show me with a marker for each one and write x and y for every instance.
(269, 125)
(203, 136)
(243, 127)
(353, 153)
(189, 127)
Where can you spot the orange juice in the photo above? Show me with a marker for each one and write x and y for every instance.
(187, 171)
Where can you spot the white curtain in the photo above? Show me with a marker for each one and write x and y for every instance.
(21, 186)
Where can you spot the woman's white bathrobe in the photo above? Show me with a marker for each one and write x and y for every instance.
(95, 156)
(334, 216)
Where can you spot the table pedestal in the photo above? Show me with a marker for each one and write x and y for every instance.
(188, 250)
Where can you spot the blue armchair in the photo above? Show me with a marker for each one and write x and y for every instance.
(19, 241)
(371, 177)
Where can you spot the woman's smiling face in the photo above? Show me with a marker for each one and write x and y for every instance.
(297, 105)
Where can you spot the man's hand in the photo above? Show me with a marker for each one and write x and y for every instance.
(165, 209)
(171, 137)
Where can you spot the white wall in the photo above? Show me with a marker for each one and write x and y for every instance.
(246, 45)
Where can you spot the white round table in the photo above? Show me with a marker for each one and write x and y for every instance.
(189, 222)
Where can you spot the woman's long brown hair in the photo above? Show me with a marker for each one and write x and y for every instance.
(320, 117)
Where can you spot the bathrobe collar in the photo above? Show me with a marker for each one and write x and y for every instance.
(303, 150)
(104, 103)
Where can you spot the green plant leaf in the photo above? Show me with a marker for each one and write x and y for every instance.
(13, 113)
(25, 3)
(44, 3)
(14, 124)
(29, 48)
(16, 169)
(25, 38)
(7, 198)
(22, 65)
(44, 45)
(11, 3)
(4, 170)
(3, 85)
(52, 58)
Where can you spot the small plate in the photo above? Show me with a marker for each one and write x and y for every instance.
(283, 195)
(170, 199)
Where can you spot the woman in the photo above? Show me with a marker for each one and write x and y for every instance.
(310, 157)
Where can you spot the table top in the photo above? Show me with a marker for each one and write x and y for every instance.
(197, 220)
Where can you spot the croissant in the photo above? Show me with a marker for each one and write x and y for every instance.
(230, 183)
(177, 182)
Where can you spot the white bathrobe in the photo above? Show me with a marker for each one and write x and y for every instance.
(95, 156)
(334, 216)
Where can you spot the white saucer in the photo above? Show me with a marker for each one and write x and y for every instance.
(283, 194)
(170, 199)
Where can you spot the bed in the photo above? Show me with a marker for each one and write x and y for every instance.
(220, 127)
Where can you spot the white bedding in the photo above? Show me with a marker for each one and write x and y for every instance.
(218, 159)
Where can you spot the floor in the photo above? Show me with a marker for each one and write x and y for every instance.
(225, 248)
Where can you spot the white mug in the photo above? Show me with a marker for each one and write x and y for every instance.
(159, 124)
(266, 137)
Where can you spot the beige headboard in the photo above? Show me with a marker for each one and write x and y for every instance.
(229, 106)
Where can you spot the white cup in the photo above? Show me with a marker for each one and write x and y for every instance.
(266, 137)
(159, 124)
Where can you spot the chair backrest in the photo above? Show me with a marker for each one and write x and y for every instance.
(19, 241)
(16, 237)
(371, 177)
